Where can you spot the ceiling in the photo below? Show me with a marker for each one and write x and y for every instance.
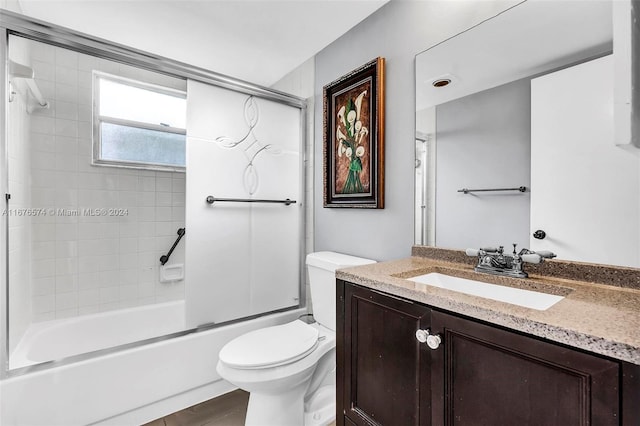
(543, 35)
(259, 41)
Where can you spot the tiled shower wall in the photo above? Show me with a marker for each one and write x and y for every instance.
(83, 264)
(19, 226)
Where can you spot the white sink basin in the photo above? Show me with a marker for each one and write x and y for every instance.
(516, 296)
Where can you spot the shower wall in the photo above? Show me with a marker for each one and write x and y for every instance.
(19, 226)
(85, 264)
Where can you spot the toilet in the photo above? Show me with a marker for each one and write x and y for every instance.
(289, 369)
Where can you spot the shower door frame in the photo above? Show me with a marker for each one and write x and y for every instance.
(40, 31)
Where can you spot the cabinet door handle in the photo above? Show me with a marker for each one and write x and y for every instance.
(432, 340)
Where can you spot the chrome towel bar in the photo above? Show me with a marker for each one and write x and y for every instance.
(520, 188)
(211, 199)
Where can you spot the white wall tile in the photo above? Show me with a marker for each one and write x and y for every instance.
(43, 232)
(147, 244)
(43, 286)
(43, 268)
(66, 75)
(66, 127)
(147, 183)
(43, 142)
(147, 214)
(82, 263)
(65, 180)
(66, 249)
(66, 232)
(66, 92)
(88, 264)
(88, 297)
(109, 278)
(163, 184)
(66, 110)
(66, 283)
(43, 70)
(109, 294)
(163, 214)
(84, 129)
(66, 58)
(45, 303)
(67, 267)
(67, 198)
(84, 113)
(128, 183)
(108, 262)
(43, 250)
(88, 310)
(66, 313)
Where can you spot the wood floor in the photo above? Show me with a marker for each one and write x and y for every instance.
(226, 410)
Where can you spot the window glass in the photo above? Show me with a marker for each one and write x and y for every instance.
(118, 100)
(138, 124)
(126, 143)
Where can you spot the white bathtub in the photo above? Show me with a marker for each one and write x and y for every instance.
(54, 340)
(127, 387)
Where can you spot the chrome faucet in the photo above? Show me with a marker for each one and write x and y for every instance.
(492, 260)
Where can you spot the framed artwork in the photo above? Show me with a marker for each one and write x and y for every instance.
(354, 138)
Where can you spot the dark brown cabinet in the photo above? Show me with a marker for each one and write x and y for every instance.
(478, 374)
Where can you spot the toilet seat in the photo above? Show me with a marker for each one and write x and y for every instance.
(270, 346)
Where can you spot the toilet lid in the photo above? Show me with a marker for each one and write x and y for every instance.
(270, 346)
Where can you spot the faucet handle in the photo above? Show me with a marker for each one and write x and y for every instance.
(490, 249)
(546, 254)
(531, 258)
(472, 252)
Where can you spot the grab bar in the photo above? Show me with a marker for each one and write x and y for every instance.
(520, 188)
(211, 199)
(165, 257)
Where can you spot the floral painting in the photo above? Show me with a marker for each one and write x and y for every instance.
(352, 141)
(353, 125)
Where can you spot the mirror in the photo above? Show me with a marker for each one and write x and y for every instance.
(516, 133)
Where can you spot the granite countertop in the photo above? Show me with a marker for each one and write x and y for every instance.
(600, 318)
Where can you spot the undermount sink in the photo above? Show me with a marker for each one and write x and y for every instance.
(515, 296)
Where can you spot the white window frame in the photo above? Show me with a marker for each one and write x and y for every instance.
(98, 119)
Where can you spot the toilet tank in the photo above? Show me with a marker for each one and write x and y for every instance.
(322, 280)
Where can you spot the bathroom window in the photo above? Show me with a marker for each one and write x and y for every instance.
(138, 124)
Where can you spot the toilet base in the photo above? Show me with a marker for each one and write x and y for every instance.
(289, 408)
(283, 409)
(320, 410)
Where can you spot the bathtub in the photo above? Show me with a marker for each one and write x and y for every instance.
(129, 386)
(53, 340)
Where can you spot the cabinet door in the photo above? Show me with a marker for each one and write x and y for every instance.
(489, 376)
(385, 371)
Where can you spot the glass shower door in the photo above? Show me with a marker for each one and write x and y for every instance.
(247, 151)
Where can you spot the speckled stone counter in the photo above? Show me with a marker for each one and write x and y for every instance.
(593, 316)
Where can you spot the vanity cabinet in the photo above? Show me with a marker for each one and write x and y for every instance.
(478, 374)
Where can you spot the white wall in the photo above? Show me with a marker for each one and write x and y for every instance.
(586, 188)
(484, 141)
(82, 264)
(397, 31)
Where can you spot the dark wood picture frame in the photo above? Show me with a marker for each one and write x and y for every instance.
(353, 125)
